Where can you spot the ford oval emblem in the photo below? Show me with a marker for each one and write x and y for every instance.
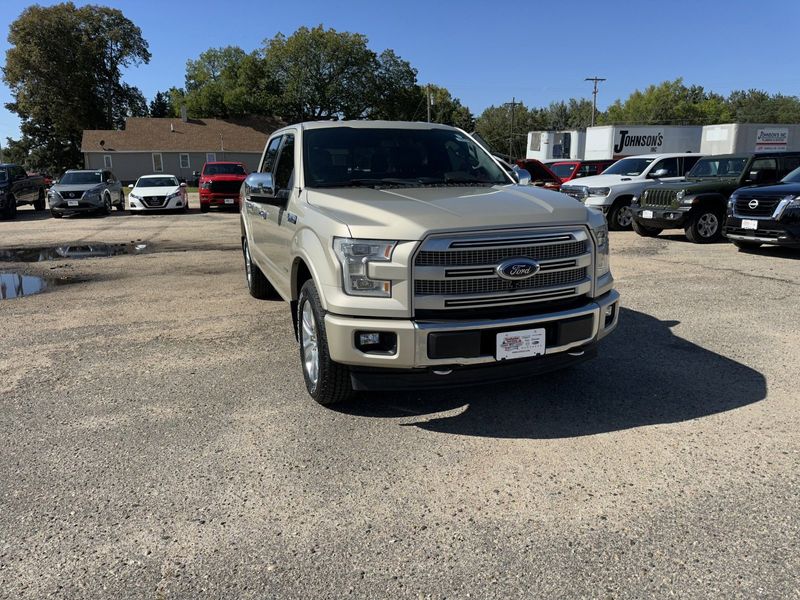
(517, 268)
(753, 204)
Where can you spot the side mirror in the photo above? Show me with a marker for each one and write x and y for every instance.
(195, 173)
(130, 186)
(659, 173)
(183, 184)
(755, 176)
(259, 187)
(523, 177)
(109, 181)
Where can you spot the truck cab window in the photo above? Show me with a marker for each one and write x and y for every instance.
(269, 156)
(285, 168)
(670, 164)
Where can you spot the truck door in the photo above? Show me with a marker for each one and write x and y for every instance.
(256, 211)
(280, 226)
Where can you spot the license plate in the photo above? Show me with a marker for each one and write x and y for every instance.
(229, 200)
(520, 344)
(749, 224)
(72, 203)
(647, 214)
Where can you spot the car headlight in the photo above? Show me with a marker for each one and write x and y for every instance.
(133, 196)
(173, 195)
(732, 200)
(355, 256)
(603, 262)
(599, 191)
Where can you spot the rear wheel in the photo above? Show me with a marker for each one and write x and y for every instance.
(620, 216)
(39, 204)
(644, 230)
(326, 381)
(746, 245)
(704, 227)
(204, 208)
(258, 285)
(121, 205)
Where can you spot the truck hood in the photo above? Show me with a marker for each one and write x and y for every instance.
(601, 180)
(165, 190)
(412, 213)
(708, 184)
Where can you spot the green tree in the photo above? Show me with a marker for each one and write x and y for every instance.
(63, 68)
(575, 113)
(161, 105)
(670, 102)
(494, 125)
(447, 109)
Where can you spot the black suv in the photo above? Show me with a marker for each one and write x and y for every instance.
(766, 214)
(698, 204)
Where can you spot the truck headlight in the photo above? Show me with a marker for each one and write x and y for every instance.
(354, 256)
(603, 263)
(599, 191)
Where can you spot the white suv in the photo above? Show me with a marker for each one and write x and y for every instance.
(613, 190)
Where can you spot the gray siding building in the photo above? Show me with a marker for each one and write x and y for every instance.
(175, 146)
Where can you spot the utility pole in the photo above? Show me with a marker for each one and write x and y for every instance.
(429, 101)
(596, 80)
(513, 105)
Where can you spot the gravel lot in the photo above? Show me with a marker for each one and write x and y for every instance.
(159, 442)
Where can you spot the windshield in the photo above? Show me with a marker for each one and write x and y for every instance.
(223, 169)
(562, 169)
(729, 166)
(792, 177)
(81, 178)
(629, 166)
(347, 156)
(157, 182)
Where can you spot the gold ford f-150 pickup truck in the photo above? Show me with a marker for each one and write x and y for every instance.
(412, 259)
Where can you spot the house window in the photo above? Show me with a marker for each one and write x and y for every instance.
(211, 157)
(158, 163)
(184, 161)
(107, 161)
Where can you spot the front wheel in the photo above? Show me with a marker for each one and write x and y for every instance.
(620, 217)
(704, 227)
(326, 381)
(644, 230)
(10, 210)
(204, 208)
(746, 245)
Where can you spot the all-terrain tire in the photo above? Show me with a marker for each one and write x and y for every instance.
(705, 227)
(620, 217)
(644, 230)
(40, 203)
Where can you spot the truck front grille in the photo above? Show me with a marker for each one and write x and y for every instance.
(656, 197)
(459, 272)
(226, 187)
(763, 206)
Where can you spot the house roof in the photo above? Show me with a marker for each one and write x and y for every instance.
(147, 134)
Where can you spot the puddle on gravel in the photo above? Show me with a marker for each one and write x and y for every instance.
(73, 251)
(14, 285)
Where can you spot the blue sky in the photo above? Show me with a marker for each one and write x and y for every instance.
(485, 53)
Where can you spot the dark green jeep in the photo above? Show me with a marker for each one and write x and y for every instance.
(698, 203)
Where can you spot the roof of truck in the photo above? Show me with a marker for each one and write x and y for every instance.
(663, 155)
(371, 125)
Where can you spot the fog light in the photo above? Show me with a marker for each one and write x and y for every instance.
(365, 339)
(609, 314)
(376, 342)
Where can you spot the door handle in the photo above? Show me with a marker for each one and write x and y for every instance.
(263, 214)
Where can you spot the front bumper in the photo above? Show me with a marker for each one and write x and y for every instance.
(776, 233)
(62, 206)
(423, 346)
(664, 217)
(230, 200)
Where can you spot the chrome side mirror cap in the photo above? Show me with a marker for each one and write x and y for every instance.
(523, 177)
(259, 184)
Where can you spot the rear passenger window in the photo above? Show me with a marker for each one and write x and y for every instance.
(285, 168)
(688, 163)
(269, 156)
(788, 164)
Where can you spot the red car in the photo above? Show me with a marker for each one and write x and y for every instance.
(220, 183)
(572, 169)
(541, 176)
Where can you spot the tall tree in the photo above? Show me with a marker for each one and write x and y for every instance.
(670, 102)
(64, 71)
(161, 105)
(495, 126)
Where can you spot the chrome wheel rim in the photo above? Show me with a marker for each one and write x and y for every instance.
(707, 225)
(310, 346)
(248, 267)
(625, 216)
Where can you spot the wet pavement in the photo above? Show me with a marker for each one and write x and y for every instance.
(74, 251)
(16, 285)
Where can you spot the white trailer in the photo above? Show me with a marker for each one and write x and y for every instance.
(736, 138)
(618, 141)
(550, 145)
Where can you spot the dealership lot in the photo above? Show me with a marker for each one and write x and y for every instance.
(159, 441)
